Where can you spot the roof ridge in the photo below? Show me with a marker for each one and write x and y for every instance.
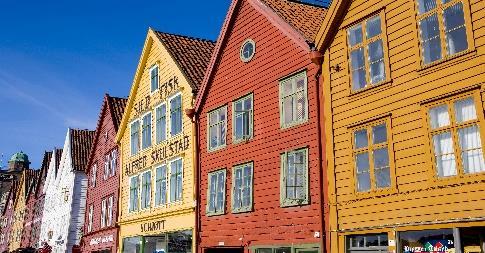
(186, 36)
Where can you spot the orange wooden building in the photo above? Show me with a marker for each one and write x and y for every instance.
(403, 86)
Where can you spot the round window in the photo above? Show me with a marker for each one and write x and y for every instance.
(248, 49)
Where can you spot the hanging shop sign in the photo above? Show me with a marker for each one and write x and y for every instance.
(101, 240)
(152, 226)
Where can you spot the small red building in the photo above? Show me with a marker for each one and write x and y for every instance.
(35, 205)
(261, 176)
(100, 228)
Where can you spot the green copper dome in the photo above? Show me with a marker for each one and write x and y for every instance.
(20, 157)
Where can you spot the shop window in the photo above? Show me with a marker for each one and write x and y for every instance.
(161, 186)
(293, 100)
(458, 240)
(146, 189)
(242, 119)
(133, 244)
(154, 78)
(295, 249)
(372, 157)
(217, 123)
(367, 243)
(180, 242)
(135, 137)
(146, 132)
(216, 192)
(442, 28)
(161, 123)
(454, 128)
(133, 205)
(176, 115)
(294, 178)
(242, 188)
(176, 180)
(367, 51)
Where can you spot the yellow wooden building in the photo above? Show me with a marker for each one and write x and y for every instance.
(403, 83)
(157, 139)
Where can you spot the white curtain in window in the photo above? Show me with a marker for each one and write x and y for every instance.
(471, 147)
(439, 117)
(444, 154)
(465, 110)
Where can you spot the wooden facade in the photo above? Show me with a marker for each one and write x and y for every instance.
(103, 171)
(156, 142)
(269, 220)
(8, 217)
(433, 56)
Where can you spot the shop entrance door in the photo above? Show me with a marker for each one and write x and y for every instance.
(224, 250)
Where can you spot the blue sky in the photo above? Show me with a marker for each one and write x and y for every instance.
(58, 58)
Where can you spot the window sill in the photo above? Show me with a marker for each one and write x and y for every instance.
(458, 180)
(242, 210)
(293, 124)
(371, 89)
(216, 148)
(375, 193)
(294, 203)
(214, 214)
(242, 141)
(447, 62)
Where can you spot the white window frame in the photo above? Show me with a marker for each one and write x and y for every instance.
(158, 78)
(132, 153)
(223, 145)
(141, 189)
(284, 125)
(169, 178)
(284, 201)
(103, 213)
(94, 170)
(233, 198)
(170, 114)
(107, 163)
(141, 131)
(109, 221)
(113, 162)
(166, 184)
(166, 121)
(251, 119)
(130, 207)
(217, 212)
(90, 218)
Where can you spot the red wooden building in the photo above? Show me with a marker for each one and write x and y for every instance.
(35, 204)
(260, 173)
(100, 228)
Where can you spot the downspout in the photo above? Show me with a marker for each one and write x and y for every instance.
(195, 164)
(316, 58)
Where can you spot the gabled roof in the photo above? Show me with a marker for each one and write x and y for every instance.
(30, 180)
(57, 160)
(81, 141)
(192, 55)
(330, 24)
(290, 17)
(43, 170)
(304, 17)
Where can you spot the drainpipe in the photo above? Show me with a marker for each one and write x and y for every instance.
(317, 59)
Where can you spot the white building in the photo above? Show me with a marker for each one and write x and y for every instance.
(65, 189)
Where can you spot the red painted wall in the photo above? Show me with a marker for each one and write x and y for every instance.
(104, 188)
(277, 56)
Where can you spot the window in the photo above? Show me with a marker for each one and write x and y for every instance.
(133, 194)
(154, 78)
(176, 180)
(366, 51)
(294, 178)
(216, 195)
(242, 119)
(90, 219)
(456, 139)
(135, 137)
(146, 189)
(176, 115)
(217, 128)
(247, 50)
(371, 157)
(106, 166)
(242, 188)
(146, 132)
(161, 186)
(293, 100)
(114, 157)
(442, 28)
(103, 213)
(109, 221)
(93, 175)
(367, 243)
(161, 123)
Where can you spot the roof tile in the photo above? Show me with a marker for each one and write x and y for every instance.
(81, 141)
(117, 106)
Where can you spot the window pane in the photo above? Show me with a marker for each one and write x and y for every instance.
(439, 116)
(283, 250)
(456, 40)
(426, 5)
(381, 158)
(363, 182)
(363, 176)
(430, 39)
(444, 154)
(288, 105)
(379, 134)
(161, 123)
(373, 27)
(358, 68)
(213, 192)
(376, 58)
(465, 110)
(471, 148)
(360, 139)
(237, 188)
(213, 135)
(355, 35)
(154, 79)
(362, 161)
(381, 168)
(176, 115)
(287, 87)
(221, 184)
(300, 106)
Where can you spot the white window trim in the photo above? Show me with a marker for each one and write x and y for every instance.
(141, 189)
(223, 211)
(209, 149)
(284, 201)
(107, 165)
(90, 218)
(103, 213)
(112, 172)
(251, 119)
(94, 170)
(141, 130)
(158, 81)
(129, 194)
(169, 121)
(284, 125)
(166, 121)
(139, 139)
(169, 173)
(109, 221)
(251, 195)
(166, 184)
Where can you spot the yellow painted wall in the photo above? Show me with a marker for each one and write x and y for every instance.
(19, 215)
(179, 215)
